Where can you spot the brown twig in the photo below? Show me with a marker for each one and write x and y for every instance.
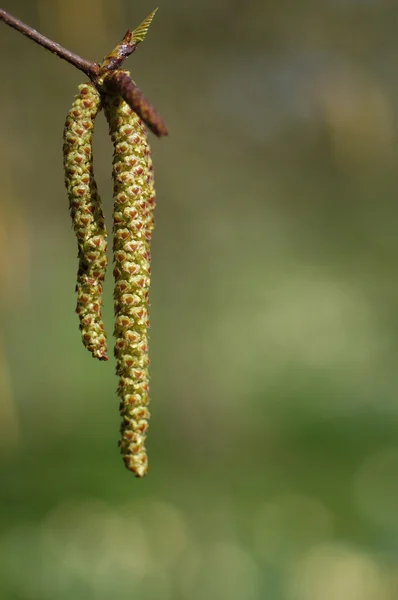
(116, 82)
(119, 83)
(91, 69)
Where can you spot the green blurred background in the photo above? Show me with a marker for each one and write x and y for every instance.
(274, 343)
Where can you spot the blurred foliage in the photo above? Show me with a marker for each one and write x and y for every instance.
(273, 441)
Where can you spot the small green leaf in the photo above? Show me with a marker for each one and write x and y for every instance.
(140, 32)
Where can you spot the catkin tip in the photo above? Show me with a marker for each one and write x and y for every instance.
(138, 465)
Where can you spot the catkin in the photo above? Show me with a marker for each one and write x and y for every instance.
(134, 202)
(87, 216)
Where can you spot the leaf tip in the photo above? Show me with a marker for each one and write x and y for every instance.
(140, 32)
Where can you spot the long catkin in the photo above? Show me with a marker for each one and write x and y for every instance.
(87, 216)
(134, 202)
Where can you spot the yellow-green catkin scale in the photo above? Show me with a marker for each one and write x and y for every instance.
(87, 216)
(134, 202)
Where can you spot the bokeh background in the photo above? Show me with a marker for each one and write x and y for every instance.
(274, 342)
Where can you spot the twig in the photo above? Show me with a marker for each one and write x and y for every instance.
(116, 81)
(91, 69)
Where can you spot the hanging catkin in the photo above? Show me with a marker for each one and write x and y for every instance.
(87, 216)
(134, 202)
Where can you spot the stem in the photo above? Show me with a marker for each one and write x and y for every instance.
(117, 82)
(89, 68)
